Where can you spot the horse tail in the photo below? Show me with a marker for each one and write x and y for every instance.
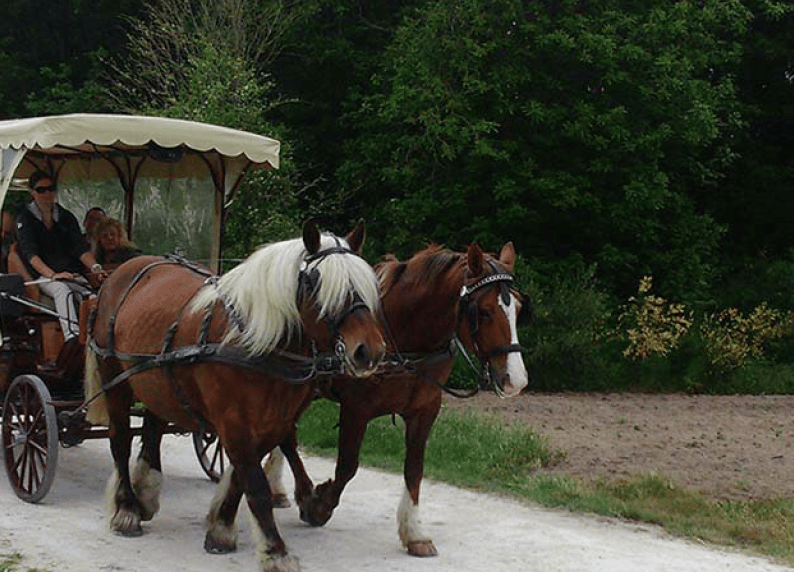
(97, 409)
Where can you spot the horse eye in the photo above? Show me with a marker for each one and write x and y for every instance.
(484, 314)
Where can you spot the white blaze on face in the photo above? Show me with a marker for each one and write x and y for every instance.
(515, 363)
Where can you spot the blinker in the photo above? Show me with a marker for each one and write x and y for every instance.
(506, 297)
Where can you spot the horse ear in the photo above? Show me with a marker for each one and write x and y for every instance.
(355, 238)
(311, 236)
(508, 256)
(475, 259)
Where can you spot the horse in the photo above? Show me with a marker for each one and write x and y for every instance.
(427, 302)
(235, 354)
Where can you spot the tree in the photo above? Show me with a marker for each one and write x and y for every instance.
(328, 57)
(757, 197)
(578, 130)
(50, 54)
(201, 61)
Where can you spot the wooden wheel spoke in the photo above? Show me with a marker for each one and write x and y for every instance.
(217, 460)
(30, 438)
(33, 473)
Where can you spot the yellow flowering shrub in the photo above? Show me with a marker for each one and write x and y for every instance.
(653, 325)
(733, 339)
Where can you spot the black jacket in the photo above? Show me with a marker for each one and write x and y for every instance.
(60, 248)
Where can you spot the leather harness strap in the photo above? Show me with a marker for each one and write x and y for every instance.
(288, 366)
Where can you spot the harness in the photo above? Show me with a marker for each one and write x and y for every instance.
(287, 366)
(467, 307)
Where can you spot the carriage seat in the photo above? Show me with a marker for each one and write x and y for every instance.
(32, 291)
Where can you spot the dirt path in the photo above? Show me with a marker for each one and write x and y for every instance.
(739, 447)
(68, 531)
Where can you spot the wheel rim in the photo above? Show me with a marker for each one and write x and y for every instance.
(210, 454)
(30, 438)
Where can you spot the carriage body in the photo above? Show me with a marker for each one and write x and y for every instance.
(117, 162)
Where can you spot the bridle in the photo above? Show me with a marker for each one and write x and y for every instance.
(308, 282)
(467, 307)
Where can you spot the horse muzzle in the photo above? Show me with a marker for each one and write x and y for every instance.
(362, 360)
(511, 378)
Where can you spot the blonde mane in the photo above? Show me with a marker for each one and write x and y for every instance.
(263, 290)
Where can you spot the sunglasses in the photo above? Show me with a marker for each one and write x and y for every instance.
(42, 190)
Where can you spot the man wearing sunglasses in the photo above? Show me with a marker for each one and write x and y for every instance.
(52, 246)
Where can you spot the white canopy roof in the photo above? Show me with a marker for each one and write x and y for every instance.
(86, 131)
(127, 147)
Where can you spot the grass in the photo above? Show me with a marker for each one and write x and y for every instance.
(478, 453)
(10, 562)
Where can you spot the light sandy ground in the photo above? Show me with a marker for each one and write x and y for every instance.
(67, 532)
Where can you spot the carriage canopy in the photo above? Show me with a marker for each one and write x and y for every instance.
(100, 147)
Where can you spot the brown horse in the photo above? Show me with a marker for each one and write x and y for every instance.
(427, 302)
(233, 354)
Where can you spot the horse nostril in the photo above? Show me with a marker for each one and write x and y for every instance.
(361, 357)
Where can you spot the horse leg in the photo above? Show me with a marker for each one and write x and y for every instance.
(417, 430)
(274, 469)
(272, 551)
(303, 483)
(221, 537)
(326, 496)
(123, 507)
(147, 476)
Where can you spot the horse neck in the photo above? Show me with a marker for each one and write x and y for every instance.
(421, 315)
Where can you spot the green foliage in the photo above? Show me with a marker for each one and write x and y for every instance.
(474, 131)
(566, 349)
(58, 96)
(178, 65)
(608, 140)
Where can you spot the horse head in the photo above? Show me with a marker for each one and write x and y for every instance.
(491, 311)
(338, 298)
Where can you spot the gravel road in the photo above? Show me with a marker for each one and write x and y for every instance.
(68, 531)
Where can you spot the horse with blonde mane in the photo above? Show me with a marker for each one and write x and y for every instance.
(235, 354)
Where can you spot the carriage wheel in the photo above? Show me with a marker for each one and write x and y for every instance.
(210, 454)
(30, 438)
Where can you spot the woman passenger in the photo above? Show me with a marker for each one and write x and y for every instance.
(52, 246)
(112, 246)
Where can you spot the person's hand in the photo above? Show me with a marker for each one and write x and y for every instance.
(62, 276)
(96, 277)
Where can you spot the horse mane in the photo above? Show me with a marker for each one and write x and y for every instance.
(263, 290)
(423, 267)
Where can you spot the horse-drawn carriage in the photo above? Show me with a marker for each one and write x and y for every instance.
(120, 163)
(232, 358)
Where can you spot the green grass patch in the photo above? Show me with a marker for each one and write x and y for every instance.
(479, 453)
(10, 562)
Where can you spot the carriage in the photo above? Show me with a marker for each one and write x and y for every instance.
(333, 298)
(143, 170)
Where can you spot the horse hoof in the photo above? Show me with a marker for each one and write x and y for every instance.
(312, 518)
(281, 501)
(213, 546)
(131, 533)
(422, 548)
(126, 523)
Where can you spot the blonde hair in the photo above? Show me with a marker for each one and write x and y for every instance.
(104, 224)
